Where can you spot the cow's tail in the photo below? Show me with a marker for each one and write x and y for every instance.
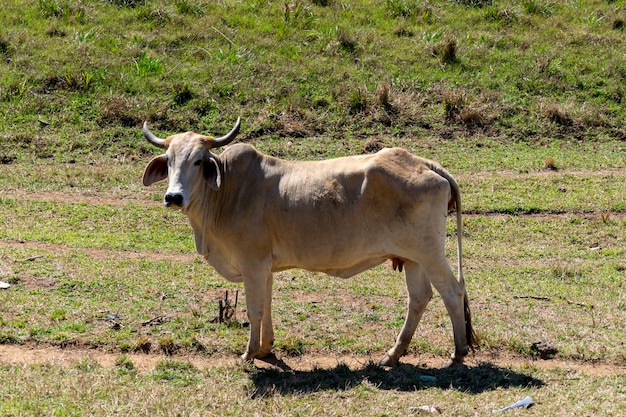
(455, 203)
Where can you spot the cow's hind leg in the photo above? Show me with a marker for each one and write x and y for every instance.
(455, 300)
(420, 293)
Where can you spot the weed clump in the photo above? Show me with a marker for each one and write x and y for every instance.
(402, 8)
(373, 145)
(538, 8)
(54, 8)
(471, 118)
(167, 345)
(126, 3)
(550, 164)
(446, 51)
(383, 95)
(119, 110)
(558, 116)
(4, 47)
(182, 93)
(143, 344)
(346, 42)
(475, 3)
(358, 100)
(452, 104)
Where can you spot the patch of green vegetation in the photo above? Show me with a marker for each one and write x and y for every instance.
(318, 74)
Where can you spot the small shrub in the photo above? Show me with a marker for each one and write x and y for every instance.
(145, 66)
(446, 51)
(452, 104)
(346, 42)
(143, 344)
(168, 345)
(126, 3)
(448, 55)
(373, 145)
(402, 8)
(471, 118)
(54, 8)
(4, 47)
(358, 100)
(190, 8)
(383, 95)
(182, 93)
(558, 116)
(57, 315)
(475, 3)
(550, 164)
(538, 8)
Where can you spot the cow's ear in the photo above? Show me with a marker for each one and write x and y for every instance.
(211, 172)
(155, 171)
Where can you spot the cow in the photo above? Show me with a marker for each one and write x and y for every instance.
(253, 214)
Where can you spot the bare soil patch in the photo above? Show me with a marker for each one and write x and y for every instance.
(74, 198)
(99, 254)
(33, 355)
(617, 172)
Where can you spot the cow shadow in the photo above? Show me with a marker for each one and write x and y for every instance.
(281, 380)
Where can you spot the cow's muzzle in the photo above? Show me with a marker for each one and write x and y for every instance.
(173, 199)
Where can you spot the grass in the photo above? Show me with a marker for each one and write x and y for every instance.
(371, 391)
(366, 311)
(521, 100)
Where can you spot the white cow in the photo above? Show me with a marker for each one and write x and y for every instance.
(253, 214)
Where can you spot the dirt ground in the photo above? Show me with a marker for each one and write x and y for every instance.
(30, 355)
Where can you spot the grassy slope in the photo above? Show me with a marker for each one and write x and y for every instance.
(529, 81)
(339, 74)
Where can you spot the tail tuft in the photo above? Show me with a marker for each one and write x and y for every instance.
(472, 338)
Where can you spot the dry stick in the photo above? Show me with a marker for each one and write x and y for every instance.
(532, 297)
(224, 36)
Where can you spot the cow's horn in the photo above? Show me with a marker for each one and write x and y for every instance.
(225, 140)
(152, 138)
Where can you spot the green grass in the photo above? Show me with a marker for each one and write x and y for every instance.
(523, 101)
(506, 257)
(285, 70)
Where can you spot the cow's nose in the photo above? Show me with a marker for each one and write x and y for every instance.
(173, 199)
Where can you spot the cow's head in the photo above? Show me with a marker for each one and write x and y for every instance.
(187, 160)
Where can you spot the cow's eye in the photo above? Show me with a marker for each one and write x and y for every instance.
(198, 162)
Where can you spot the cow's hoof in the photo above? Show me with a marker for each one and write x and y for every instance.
(455, 363)
(265, 353)
(247, 357)
(388, 361)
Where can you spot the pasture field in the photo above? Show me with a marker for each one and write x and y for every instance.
(111, 312)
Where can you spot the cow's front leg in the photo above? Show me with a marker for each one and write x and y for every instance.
(267, 329)
(257, 303)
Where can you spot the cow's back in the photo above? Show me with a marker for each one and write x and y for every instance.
(352, 213)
